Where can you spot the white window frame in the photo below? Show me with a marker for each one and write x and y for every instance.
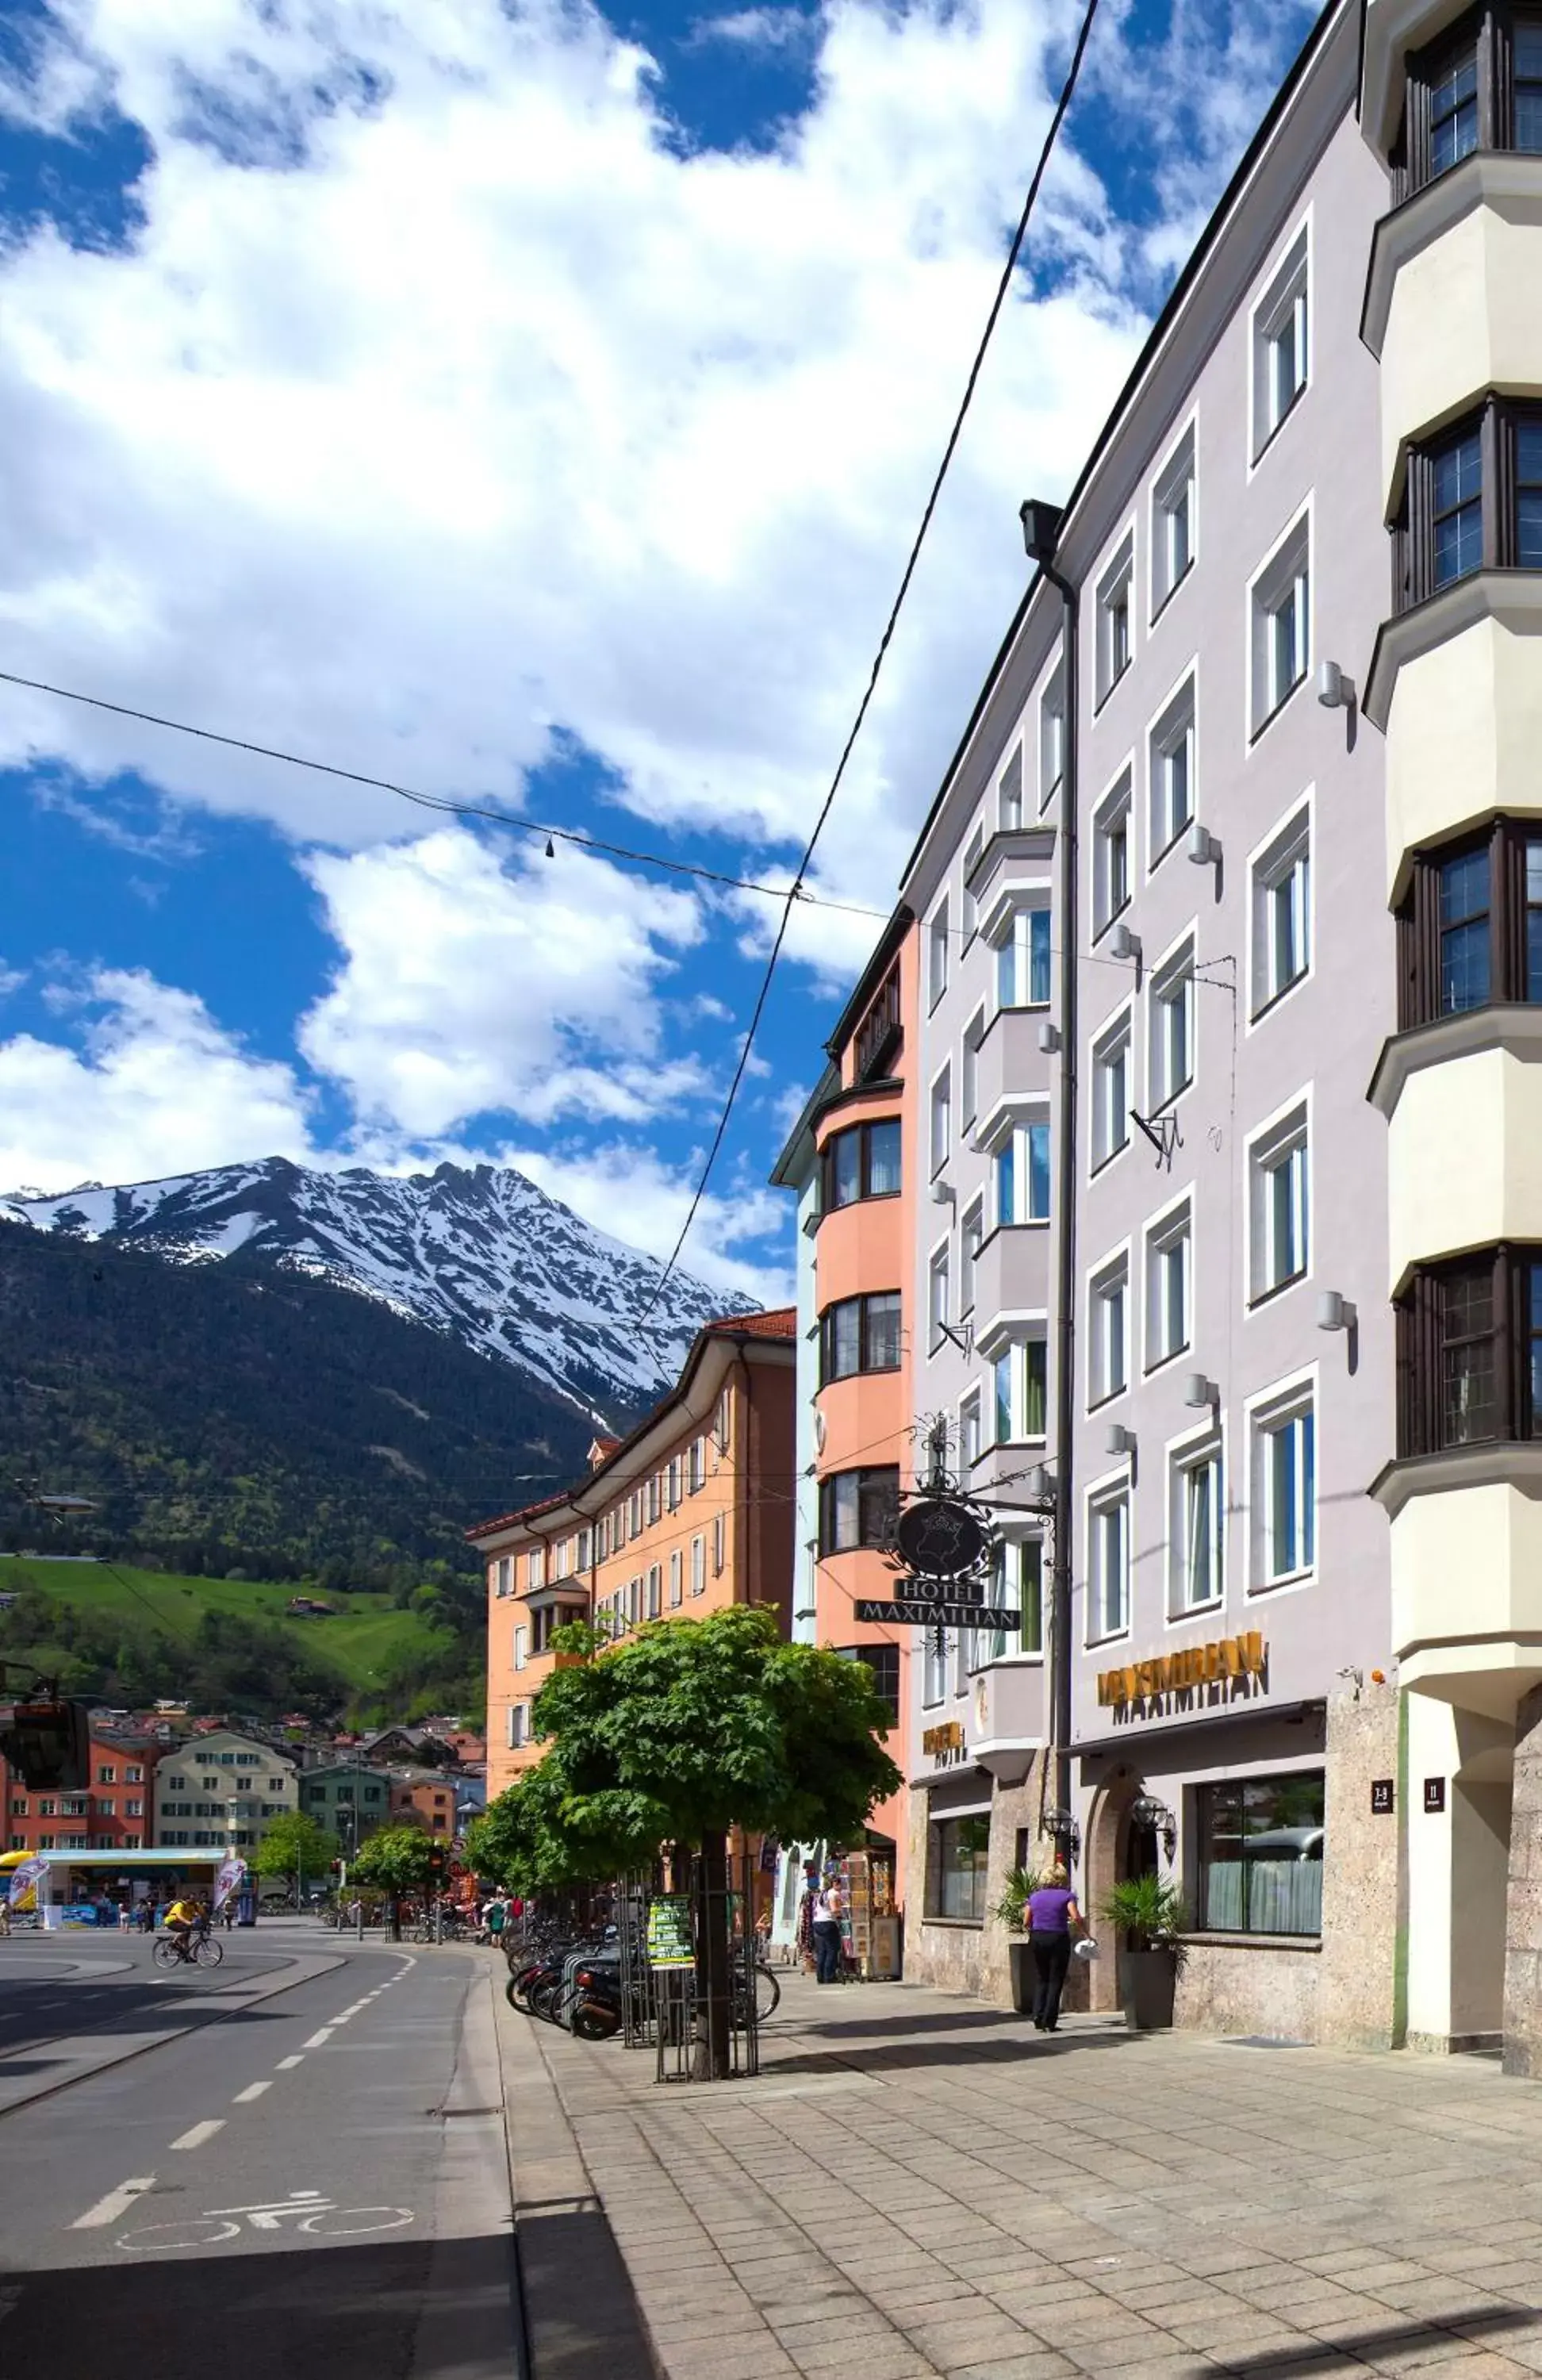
(1009, 1343)
(1115, 804)
(518, 1726)
(1109, 1294)
(698, 1566)
(676, 1581)
(1174, 730)
(1109, 1132)
(1285, 574)
(971, 1239)
(720, 1544)
(939, 1296)
(1012, 929)
(1161, 1230)
(1051, 737)
(1009, 795)
(1284, 856)
(1281, 1143)
(1025, 1117)
(938, 954)
(971, 1430)
(1285, 305)
(1105, 1621)
(940, 1115)
(1194, 1451)
(1177, 478)
(968, 1070)
(1172, 983)
(1116, 595)
(1270, 1410)
(521, 1646)
(974, 852)
(934, 1670)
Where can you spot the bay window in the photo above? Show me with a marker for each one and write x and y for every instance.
(857, 1507)
(862, 1162)
(1469, 1350)
(1478, 86)
(1022, 960)
(859, 1334)
(1021, 1174)
(1018, 1393)
(1470, 925)
(1472, 499)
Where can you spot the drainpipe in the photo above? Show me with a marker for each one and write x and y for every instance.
(1041, 525)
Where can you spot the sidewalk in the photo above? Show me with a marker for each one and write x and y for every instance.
(919, 2185)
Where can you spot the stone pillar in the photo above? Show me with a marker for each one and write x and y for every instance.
(1457, 1864)
(1362, 1910)
(1523, 1945)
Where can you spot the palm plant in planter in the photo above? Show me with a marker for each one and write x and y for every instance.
(1011, 1911)
(1151, 1915)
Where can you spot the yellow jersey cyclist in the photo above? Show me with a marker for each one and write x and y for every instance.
(186, 1920)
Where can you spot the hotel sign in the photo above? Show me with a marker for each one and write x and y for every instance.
(1197, 1665)
(945, 1744)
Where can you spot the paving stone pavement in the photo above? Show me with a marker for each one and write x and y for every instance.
(917, 2185)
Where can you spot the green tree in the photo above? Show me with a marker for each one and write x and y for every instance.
(692, 1727)
(394, 1859)
(294, 1846)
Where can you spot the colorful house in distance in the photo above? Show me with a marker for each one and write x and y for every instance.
(688, 1514)
(114, 1811)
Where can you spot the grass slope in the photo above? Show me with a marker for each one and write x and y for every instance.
(367, 1637)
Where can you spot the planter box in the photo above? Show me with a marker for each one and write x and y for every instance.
(1023, 1975)
(1148, 1983)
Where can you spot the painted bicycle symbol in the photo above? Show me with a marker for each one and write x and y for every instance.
(302, 2210)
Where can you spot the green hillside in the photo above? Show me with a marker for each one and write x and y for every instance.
(132, 1635)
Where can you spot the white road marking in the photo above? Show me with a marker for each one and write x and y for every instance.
(199, 2133)
(299, 2202)
(118, 2202)
(286, 2064)
(318, 2038)
(252, 2091)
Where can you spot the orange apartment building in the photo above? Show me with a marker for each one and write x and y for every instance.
(851, 1158)
(690, 1512)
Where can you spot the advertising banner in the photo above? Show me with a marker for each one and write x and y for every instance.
(669, 1931)
(232, 1876)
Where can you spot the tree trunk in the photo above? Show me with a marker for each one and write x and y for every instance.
(714, 1978)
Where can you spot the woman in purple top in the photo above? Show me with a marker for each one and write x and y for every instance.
(1052, 1912)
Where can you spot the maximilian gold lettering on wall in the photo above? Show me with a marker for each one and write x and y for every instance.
(1230, 1658)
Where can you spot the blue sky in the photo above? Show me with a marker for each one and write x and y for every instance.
(536, 415)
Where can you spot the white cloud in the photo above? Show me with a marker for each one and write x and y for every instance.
(633, 1193)
(158, 1088)
(780, 28)
(11, 979)
(469, 984)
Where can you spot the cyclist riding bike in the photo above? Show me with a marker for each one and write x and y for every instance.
(186, 1922)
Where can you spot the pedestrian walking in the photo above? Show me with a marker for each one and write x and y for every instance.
(1053, 1912)
(826, 1929)
(5, 1915)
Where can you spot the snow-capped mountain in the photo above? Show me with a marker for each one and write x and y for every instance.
(479, 1251)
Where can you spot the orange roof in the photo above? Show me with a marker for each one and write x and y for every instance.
(780, 1323)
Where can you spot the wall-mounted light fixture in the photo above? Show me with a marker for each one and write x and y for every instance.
(1200, 1391)
(1335, 691)
(1122, 943)
(1061, 1824)
(1049, 1037)
(1148, 1811)
(943, 1194)
(1119, 1440)
(1335, 1312)
(1203, 847)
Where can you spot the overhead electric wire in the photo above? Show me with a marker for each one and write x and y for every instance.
(998, 301)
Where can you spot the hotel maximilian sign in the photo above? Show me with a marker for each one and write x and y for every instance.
(1198, 1665)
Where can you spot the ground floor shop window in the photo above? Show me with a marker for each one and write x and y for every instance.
(957, 1849)
(1260, 1855)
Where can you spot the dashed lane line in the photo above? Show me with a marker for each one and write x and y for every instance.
(118, 2202)
(252, 2091)
(317, 2039)
(286, 2065)
(199, 2134)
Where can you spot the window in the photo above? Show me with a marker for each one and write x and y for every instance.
(1021, 1580)
(971, 1441)
(696, 1465)
(1168, 1285)
(1021, 1172)
(534, 1569)
(1111, 1090)
(1281, 897)
(1279, 1203)
(1472, 501)
(1110, 855)
(1260, 1847)
(857, 1507)
(1478, 86)
(521, 1648)
(969, 1082)
(1172, 522)
(133, 1809)
(859, 1334)
(1285, 1491)
(1196, 1526)
(974, 852)
(878, 1036)
(655, 1591)
(863, 1162)
(941, 1121)
(937, 945)
(1470, 927)
(1018, 1394)
(1114, 640)
(937, 1315)
(655, 1506)
(970, 1239)
(1171, 768)
(518, 1725)
(672, 1484)
(1172, 1026)
(133, 1775)
(106, 1776)
(634, 1511)
(957, 1854)
(1282, 643)
(1109, 1316)
(883, 1661)
(1051, 739)
(1469, 1352)
(1108, 1565)
(723, 1422)
(676, 1591)
(720, 1543)
(1280, 357)
(1022, 960)
(1009, 795)
(934, 1667)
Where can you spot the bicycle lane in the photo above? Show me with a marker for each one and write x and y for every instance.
(306, 2185)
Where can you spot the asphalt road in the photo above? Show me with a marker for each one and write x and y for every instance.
(313, 2187)
(72, 1983)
